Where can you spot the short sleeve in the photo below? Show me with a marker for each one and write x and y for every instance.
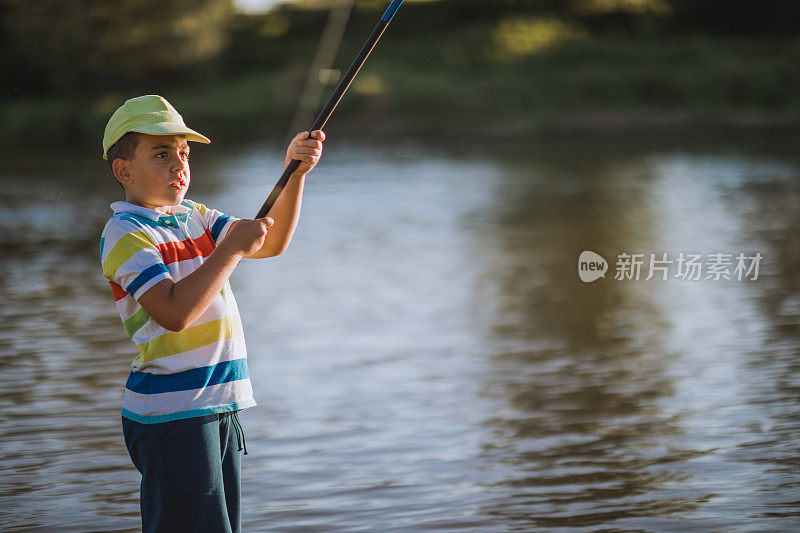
(216, 222)
(130, 258)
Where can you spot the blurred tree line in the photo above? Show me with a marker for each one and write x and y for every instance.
(91, 45)
(80, 46)
(67, 64)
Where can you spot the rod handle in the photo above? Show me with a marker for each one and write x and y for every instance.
(276, 191)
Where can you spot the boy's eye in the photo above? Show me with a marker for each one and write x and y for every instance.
(165, 155)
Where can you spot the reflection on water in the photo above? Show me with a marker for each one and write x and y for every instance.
(426, 357)
(640, 399)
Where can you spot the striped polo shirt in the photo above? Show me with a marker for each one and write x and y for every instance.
(197, 371)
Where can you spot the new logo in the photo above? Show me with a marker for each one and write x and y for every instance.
(591, 266)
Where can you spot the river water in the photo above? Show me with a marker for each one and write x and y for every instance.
(425, 355)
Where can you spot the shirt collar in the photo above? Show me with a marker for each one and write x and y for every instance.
(179, 212)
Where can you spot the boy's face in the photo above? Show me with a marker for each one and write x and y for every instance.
(158, 175)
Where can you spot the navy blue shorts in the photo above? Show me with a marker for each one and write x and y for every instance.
(190, 472)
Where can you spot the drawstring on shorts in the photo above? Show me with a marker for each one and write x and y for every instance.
(237, 426)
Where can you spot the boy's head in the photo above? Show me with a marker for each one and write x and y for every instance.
(146, 146)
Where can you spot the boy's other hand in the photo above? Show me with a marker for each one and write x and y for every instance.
(306, 148)
(246, 237)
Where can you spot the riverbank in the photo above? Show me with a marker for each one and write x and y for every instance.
(579, 86)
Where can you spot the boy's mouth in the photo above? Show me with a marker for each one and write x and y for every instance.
(178, 184)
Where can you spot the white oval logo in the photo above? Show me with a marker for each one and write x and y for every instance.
(591, 266)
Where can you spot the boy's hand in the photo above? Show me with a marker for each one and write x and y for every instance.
(246, 237)
(306, 149)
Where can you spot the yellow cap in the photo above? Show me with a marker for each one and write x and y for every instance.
(149, 114)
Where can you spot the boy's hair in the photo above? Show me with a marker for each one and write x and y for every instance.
(124, 148)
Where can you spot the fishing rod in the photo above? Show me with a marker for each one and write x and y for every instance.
(328, 47)
(333, 101)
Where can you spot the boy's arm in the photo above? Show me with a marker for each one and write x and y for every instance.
(286, 211)
(176, 305)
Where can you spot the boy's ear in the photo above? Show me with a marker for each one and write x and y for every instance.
(121, 171)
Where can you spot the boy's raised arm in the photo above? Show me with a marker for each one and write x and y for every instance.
(306, 148)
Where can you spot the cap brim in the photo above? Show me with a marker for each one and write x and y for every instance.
(171, 128)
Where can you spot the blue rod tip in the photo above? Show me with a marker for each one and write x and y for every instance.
(391, 10)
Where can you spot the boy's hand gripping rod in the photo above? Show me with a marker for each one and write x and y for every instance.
(334, 100)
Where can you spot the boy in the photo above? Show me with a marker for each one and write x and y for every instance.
(168, 260)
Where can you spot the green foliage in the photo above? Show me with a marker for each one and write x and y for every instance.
(79, 44)
(69, 64)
